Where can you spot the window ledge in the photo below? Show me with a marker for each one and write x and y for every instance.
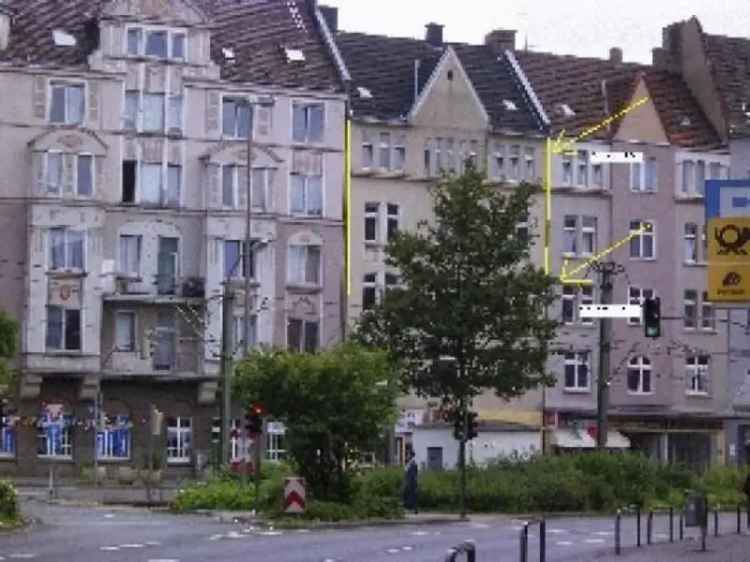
(577, 390)
(695, 394)
(66, 273)
(65, 353)
(52, 458)
(694, 264)
(375, 245)
(642, 259)
(644, 191)
(296, 215)
(179, 462)
(113, 460)
(304, 288)
(134, 277)
(632, 393)
(7, 457)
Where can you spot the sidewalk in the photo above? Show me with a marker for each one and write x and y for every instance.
(727, 548)
(68, 492)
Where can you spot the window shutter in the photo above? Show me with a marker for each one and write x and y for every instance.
(242, 187)
(39, 98)
(212, 112)
(99, 167)
(69, 162)
(264, 121)
(214, 196)
(93, 104)
(38, 166)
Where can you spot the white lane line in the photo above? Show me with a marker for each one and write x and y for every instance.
(556, 531)
(480, 526)
(153, 543)
(594, 541)
(564, 543)
(235, 535)
(393, 550)
(163, 560)
(303, 530)
(22, 555)
(109, 548)
(407, 548)
(604, 533)
(133, 545)
(215, 537)
(270, 533)
(419, 533)
(109, 515)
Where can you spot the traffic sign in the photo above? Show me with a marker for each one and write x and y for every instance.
(294, 495)
(727, 198)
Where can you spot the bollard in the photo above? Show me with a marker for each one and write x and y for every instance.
(739, 519)
(525, 543)
(671, 524)
(649, 527)
(716, 521)
(543, 540)
(618, 522)
(638, 525)
(747, 513)
(471, 551)
(682, 527)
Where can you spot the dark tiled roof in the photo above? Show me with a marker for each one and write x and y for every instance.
(255, 29)
(681, 116)
(575, 81)
(730, 63)
(385, 66)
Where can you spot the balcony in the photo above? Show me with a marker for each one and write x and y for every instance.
(162, 353)
(164, 289)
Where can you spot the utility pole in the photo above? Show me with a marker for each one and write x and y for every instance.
(607, 271)
(464, 413)
(227, 350)
(246, 254)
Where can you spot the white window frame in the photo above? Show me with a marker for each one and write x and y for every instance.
(93, 175)
(529, 153)
(306, 181)
(237, 100)
(514, 161)
(373, 215)
(582, 169)
(569, 294)
(385, 156)
(588, 231)
(275, 433)
(637, 296)
(585, 297)
(108, 455)
(567, 230)
(67, 84)
(369, 283)
(577, 360)
(697, 370)
(499, 161)
(567, 170)
(303, 333)
(66, 442)
(687, 302)
(708, 311)
(66, 230)
(398, 158)
(61, 179)
(392, 216)
(307, 105)
(368, 151)
(63, 348)
(142, 40)
(651, 233)
(306, 257)
(122, 266)
(690, 238)
(142, 112)
(182, 452)
(238, 325)
(644, 366)
(134, 336)
(235, 186)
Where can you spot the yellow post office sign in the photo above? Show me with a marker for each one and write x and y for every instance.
(729, 259)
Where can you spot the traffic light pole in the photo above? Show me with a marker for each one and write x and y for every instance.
(606, 271)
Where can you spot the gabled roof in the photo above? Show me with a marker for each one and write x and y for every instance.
(576, 82)
(256, 30)
(385, 66)
(730, 64)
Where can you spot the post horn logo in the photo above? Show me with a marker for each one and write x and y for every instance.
(732, 238)
(732, 279)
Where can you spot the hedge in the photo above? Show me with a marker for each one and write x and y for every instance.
(8, 501)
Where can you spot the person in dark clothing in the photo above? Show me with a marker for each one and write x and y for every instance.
(410, 484)
(746, 488)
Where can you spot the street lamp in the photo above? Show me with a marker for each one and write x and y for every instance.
(250, 103)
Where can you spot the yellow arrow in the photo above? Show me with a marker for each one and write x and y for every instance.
(560, 145)
(566, 277)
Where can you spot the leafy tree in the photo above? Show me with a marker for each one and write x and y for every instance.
(333, 404)
(8, 346)
(469, 293)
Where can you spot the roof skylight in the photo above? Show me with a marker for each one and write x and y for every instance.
(228, 54)
(364, 93)
(294, 55)
(510, 105)
(565, 110)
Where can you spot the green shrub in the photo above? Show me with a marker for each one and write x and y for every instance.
(330, 511)
(8, 500)
(215, 494)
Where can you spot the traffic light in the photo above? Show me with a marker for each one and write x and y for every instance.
(254, 419)
(458, 428)
(473, 426)
(216, 430)
(652, 317)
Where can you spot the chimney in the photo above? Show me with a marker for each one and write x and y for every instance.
(660, 58)
(615, 55)
(5, 24)
(501, 40)
(331, 15)
(434, 34)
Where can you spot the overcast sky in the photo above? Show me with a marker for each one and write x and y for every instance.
(576, 27)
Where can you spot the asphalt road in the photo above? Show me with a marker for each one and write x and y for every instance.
(106, 534)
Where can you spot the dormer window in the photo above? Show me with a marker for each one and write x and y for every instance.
(159, 43)
(63, 39)
(509, 105)
(294, 55)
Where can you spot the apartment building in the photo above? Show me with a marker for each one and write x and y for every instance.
(125, 188)
(715, 70)
(421, 107)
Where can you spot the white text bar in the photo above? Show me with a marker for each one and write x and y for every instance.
(615, 157)
(610, 310)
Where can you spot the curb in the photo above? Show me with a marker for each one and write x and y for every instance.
(302, 523)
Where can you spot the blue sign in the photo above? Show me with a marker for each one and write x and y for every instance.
(727, 198)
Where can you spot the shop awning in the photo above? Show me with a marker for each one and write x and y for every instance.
(569, 439)
(616, 440)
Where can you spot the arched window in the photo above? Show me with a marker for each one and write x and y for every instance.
(639, 375)
(54, 437)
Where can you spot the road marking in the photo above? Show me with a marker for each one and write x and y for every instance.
(215, 537)
(564, 543)
(594, 541)
(303, 530)
(516, 527)
(109, 515)
(23, 555)
(153, 543)
(235, 535)
(604, 533)
(133, 545)
(163, 560)
(109, 548)
(480, 526)
(270, 533)
(419, 533)
(393, 550)
(556, 531)
(407, 548)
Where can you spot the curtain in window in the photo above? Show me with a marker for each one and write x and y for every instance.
(174, 178)
(151, 183)
(259, 188)
(312, 266)
(299, 123)
(315, 195)
(54, 172)
(85, 174)
(74, 104)
(297, 264)
(316, 122)
(57, 248)
(75, 249)
(153, 112)
(174, 117)
(297, 195)
(54, 327)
